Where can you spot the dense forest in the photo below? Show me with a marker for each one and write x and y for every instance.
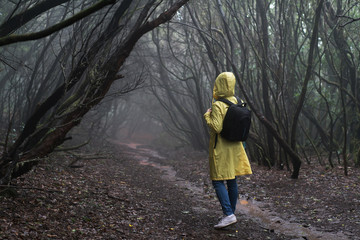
(75, 71)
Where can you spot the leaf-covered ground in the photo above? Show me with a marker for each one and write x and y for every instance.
(137, 194)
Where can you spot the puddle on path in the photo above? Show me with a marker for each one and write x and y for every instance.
(250, 208)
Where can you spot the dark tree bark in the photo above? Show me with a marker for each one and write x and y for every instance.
(36, 142)
(296, 162)
(264, 39)
(15, 22)
(6, 40)
(308, 74)
(347, 76)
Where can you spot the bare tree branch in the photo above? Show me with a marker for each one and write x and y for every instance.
(22, 18)
(37, 35)
(59, 149)
(351, 20)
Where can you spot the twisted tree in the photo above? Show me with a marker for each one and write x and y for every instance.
(94, 70)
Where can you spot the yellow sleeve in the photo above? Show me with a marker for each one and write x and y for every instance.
(214, 119)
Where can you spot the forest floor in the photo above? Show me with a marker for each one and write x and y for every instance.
(132, 192)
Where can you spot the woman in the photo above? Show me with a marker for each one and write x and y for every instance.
(227, 159)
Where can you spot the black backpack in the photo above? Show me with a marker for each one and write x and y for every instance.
(237, 121)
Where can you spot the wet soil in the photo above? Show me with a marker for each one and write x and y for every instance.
(134, 192)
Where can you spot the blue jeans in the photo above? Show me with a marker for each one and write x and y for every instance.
(227, 197)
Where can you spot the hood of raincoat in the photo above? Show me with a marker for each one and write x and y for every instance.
(224, 85)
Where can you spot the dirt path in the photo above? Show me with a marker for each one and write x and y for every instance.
(180, 209)
(204, 205)
(137, 193)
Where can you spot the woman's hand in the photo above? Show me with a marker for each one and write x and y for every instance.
(209, 110)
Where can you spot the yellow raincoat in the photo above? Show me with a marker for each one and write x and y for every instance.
(228, 159)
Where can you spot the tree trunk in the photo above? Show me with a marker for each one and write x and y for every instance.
(264, 38)
(309, 68)
(296, 163)
(295, 159)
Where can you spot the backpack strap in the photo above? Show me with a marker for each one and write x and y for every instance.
(225, 101)
(228, 103)
(242, 103)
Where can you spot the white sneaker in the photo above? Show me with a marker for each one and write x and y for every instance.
(226, 221)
